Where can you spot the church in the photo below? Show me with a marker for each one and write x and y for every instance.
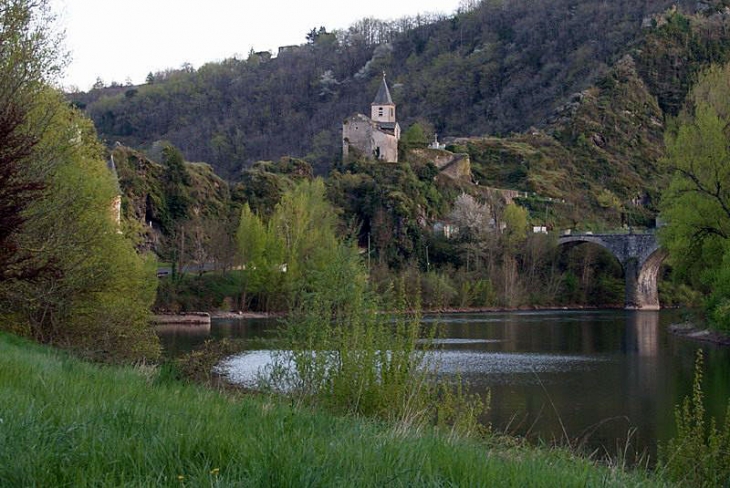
(375, 137)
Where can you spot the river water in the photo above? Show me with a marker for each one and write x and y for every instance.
(594, 378)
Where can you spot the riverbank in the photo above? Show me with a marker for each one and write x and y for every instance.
(69, 423)
(691, 331)
(189, 318)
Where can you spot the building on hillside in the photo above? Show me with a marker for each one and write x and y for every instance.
(375, 137)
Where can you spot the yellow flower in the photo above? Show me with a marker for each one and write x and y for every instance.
(215, 471)
(180, 477)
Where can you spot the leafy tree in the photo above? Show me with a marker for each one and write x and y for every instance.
(97, 299)
(287, 252)
(697, 202)
(515, 221)
(68, 275)
(29, 58)
(415, 137)
(696, 205)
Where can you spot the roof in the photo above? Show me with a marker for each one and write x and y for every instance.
(383, 95)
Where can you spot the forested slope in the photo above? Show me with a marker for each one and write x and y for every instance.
(499, 68)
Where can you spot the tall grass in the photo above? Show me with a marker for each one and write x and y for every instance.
(699, 455)
(345, 355)
(68, 423)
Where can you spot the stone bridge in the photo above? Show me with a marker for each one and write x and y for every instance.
(639, 255)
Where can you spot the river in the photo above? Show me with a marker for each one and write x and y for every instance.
(593, 377)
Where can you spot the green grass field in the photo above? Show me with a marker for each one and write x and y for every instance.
(64, 422)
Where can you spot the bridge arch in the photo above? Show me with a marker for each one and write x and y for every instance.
(640, 257)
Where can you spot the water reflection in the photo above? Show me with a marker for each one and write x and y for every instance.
(596, 374)
(177, 339)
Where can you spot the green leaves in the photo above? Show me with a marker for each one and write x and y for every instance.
(290, 252)
(697, 203)
(95, 293)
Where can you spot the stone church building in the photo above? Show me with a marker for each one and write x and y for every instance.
(375, 137)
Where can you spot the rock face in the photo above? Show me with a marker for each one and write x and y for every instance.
(151, 204)
(455, 166)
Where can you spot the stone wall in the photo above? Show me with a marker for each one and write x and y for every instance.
(357, 131)
(363, 134)
(386, 146)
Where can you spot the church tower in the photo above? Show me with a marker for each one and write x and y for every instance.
(375, 137)
(383, 109)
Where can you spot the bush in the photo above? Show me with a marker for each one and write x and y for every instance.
(699, 455)
(345, 355)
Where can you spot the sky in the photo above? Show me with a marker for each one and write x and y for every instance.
(123, 40)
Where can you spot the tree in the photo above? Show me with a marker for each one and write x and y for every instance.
(696, 205)
(415, 137)
(287, 253)
(67, 274)
(29, 58)
(97, 300)
(16, 193)
(471, 217)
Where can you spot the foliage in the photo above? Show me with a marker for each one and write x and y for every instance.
(98, 296)
(192, 292)
(390, 204)
(29, 58)
(75, 280)
(699, 455)
(679, 48)
(283, 254)
(347, 356)
(697, 203)
(414, 137)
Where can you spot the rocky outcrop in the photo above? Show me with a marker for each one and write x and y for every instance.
(456, 166)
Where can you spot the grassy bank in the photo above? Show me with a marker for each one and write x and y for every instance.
(68, 423)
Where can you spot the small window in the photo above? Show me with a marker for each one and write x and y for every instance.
(380, 111)
(391, 112)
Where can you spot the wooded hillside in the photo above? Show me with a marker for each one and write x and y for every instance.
(499, 68)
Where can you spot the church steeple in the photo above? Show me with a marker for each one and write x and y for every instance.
(383, 109)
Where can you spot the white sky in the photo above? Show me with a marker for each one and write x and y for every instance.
(126, 39)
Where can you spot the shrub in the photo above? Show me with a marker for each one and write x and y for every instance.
(700, 453)
(345, 355)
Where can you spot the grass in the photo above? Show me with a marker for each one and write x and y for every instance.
(64, 422)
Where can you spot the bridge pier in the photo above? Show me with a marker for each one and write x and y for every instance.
(640, 257)
(631, 276)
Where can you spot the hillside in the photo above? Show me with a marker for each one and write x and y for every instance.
(599, 151)
(498, 69)
(178, 209)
